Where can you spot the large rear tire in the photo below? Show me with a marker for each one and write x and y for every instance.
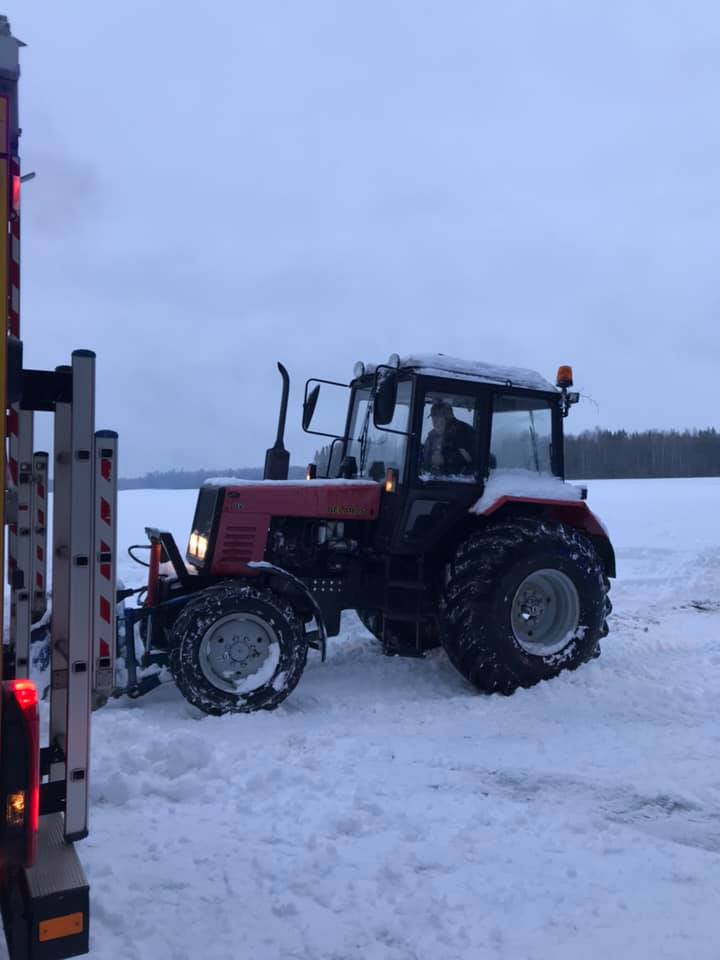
(524, 600)
(237, 648)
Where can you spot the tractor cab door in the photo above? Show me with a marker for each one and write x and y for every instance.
(447, 464)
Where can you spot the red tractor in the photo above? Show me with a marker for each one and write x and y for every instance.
(442, 518)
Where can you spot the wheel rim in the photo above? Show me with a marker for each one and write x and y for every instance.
(545, 612)
(239, 653)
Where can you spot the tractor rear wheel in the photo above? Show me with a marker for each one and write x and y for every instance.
(524, 600)
(236, 648)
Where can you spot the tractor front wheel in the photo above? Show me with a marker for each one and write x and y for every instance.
(524, 600)
(237, 648)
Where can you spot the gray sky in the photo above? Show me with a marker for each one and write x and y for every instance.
(531, 182)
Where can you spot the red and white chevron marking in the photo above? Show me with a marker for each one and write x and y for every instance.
(104, 580)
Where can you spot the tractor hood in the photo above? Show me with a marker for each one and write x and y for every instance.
(233, 517)
(326, 499)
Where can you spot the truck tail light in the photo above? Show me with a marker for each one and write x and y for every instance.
(20, 754)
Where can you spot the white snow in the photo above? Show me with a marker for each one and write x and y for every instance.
(446, 478)
(453, 368)
(264, 672)
(387, 812)
(524, 483)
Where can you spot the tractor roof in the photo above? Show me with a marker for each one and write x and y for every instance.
(440, 365)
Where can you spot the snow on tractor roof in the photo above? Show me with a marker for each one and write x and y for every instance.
(440, 365)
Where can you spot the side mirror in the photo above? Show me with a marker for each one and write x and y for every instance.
(385, 399)
(309, 406)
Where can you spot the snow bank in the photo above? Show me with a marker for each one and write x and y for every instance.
(524, 483)
(386, 811)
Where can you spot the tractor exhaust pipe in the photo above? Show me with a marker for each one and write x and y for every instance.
(277, 458)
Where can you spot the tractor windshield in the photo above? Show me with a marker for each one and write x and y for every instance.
(376, 448)
(521, 436)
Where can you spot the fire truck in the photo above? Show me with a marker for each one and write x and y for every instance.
(45, 746)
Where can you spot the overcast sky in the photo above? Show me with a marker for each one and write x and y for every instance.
(532, 182)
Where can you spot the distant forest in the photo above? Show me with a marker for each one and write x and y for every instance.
(617, 454)
(592, 455)
(192, 479)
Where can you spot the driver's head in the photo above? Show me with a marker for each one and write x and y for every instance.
(441, 413)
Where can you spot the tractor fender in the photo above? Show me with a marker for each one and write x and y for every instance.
(572, 513)
(294, 586)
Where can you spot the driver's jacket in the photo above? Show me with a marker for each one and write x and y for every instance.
(450, 452)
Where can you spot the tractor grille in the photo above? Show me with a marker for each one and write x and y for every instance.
(238, 543)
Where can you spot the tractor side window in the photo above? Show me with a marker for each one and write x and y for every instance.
(449, 437)
(521, 437)
(376, 449)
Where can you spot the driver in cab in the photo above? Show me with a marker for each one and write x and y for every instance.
(448, 449)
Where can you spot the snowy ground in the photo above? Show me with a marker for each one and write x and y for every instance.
(387, 812)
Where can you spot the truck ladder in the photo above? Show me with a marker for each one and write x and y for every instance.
(45, 903)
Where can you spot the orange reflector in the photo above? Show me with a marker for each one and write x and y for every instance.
(68, 926)
(390, 480)
(15, 809)
(564, 377)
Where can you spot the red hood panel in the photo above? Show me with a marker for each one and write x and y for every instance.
(326, 499)
(248, 509)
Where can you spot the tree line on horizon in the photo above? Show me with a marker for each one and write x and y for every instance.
(192, 479)
(591, 455)
(620, 455)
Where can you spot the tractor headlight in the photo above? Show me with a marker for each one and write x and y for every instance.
(197, 545)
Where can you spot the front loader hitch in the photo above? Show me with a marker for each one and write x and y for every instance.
(143, 686)
(137, 685)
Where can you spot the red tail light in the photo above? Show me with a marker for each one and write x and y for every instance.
(21, 762)
(25, 693)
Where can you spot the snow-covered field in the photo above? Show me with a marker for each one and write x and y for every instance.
(387, 812)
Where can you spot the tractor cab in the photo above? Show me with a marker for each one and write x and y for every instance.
(433, 429)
